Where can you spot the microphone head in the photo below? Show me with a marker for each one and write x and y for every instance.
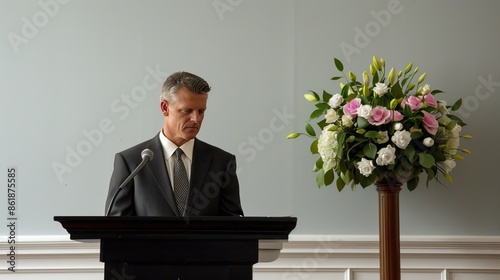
(147, 154)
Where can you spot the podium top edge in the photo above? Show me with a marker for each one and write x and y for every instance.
(99, 227)
(186, 219)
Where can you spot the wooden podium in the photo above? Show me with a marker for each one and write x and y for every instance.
(178, 248)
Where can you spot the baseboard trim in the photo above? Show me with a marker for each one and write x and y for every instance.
(346, 256)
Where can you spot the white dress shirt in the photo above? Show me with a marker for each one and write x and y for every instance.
(169, 150)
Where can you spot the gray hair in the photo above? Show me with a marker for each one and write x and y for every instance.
(179, 80)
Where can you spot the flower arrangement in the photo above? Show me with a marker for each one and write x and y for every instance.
(384, 128)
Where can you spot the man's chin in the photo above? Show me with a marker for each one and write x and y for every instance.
(190, 133)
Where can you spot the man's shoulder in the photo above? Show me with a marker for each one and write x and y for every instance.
(206, 147)
(138, 148)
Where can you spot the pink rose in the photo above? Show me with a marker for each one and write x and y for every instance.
(396, 116)
(351, 107)
(414, 102)
(380, 115)
(430, 100)
(430, 123)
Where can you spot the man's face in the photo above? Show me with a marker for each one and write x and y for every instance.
(184, 116)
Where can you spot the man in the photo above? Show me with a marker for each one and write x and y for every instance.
(213, 188)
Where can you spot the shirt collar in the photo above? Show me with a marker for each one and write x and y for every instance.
(169, 147)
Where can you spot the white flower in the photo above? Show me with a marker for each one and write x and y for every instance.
(386, 156)
(398, 126)
(380, 89)
(383, 136)
(428, 142)
(335, 100)
(444, 120)
(447, 165)
(346, 121)
(327, 147)
(365, 111)
(366, 167)
(456, 129)
(442, 107)
(426, 89)
(453, 141)
(401, 138)
(331, 116)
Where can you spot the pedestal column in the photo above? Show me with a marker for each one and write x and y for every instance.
(390, 266)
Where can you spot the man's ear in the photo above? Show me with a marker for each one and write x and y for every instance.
(164, 107)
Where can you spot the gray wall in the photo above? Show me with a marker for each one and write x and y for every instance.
(80, 81)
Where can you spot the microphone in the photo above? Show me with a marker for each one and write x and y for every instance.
(147, 155)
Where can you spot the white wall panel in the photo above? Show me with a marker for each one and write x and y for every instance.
(302, 257)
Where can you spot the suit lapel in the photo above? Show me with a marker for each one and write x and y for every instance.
(160, 174)
(199, 170)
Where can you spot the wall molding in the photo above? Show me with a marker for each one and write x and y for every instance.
(344, 257)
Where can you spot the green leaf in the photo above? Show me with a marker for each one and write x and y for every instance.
(316, 114)
(412, 183)
(372, 134)
(340, 139)
(457, 105)
(320, 178)
(338, 64)
(407, 112)
(375, 79)
(323, 106)
(322, 124)
(362, 123)
(346, 177)
(438, 155)
(318, 164)
(404, 81)
(345, 92)
(406, 164)
(326, 96)
(353, 186)
(451, 125)
(410, 153)
(396, 91)
(416, 134)
(335, 78)
(430, 175)
(457, 119)
(314, 147)
(370, 150)
(340, 184)
(328, 178)
(310, 129)
(366, 181)
(426, 160)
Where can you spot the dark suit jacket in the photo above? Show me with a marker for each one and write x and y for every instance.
(214, 188)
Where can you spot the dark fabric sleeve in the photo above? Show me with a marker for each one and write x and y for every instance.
(230, 204)
(124, 203)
